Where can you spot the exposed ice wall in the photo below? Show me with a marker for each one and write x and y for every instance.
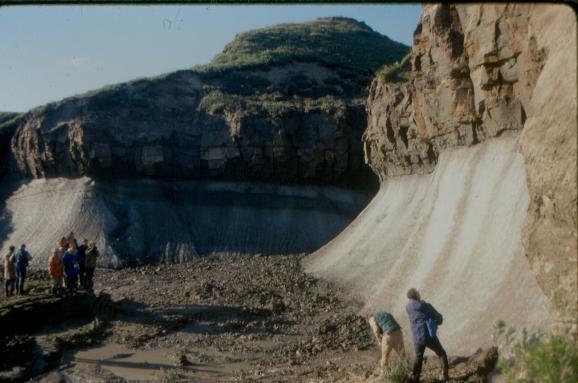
(455, 235)
(140, 220)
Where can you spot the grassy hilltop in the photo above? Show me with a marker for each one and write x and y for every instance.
(347, 47)
(336, 41)
(343, 54)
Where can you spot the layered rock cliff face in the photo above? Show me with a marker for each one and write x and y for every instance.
(8, 125)
(477, 72)
(263, 110)
(163, 128)
(472, 70)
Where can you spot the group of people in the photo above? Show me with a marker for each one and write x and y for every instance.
(72, 263)
(68, 264)
(424, 320)
(15, 266)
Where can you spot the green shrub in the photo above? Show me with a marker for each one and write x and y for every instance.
(535, 357)
(396, 73)
(9, 121)
(301, 85)
(216, 101)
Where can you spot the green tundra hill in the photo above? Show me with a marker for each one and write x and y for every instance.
(333, 40)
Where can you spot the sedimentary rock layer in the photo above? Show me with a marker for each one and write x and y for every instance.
(173, 128)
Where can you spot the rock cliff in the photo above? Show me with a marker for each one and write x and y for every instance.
(482, 71)
(8, 124)
(281, 104)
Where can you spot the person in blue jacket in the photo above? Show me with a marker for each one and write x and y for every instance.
(22, 259)
(71, 269)
(424, 320)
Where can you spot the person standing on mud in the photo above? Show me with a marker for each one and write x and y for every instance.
(388, 334)
(420, 313)
(90, 264)
(23, 258)
(56, 271)
(71, 270)
(81, 261)
(9, 272)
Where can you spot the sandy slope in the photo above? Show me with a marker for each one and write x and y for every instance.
(455, 235)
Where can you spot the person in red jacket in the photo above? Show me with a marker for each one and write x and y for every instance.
(56, 271)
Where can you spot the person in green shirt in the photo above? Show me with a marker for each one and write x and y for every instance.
(388, 334)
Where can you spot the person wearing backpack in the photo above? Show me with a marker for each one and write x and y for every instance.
(9, 272)
(23, 258)
(424, 320)
(56, 271)
(71, 270)
(388, 334)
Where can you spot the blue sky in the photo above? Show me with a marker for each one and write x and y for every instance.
(51, 52)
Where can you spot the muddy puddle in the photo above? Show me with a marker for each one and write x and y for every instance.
(124, 362)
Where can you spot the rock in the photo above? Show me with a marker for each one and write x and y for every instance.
(184, 361)
(548, 144)
(16, 350)
(468, 82)
(83, 137)
(15, 374)
(34, 311)
(481, 71)
(53, 377)
(477, 367)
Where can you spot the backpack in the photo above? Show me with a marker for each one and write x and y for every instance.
(431, 327)
(433, 320)
(22, 259)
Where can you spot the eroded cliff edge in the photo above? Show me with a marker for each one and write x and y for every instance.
(482, 71)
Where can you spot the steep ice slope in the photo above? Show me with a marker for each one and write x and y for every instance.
(139, 220)
(455, 235)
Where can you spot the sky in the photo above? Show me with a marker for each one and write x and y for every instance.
(51, 52)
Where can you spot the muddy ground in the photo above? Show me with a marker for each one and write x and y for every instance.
(218, 319)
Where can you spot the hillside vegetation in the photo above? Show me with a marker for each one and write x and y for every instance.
(333, 40)
(8, 119)
(326, 59)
